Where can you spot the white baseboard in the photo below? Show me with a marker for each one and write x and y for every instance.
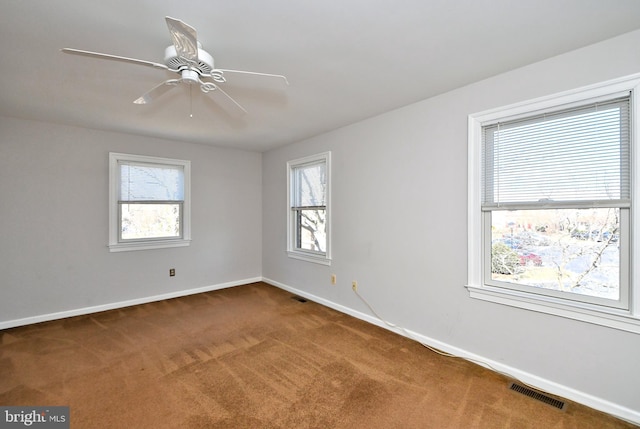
(543, 384)
(121, 304)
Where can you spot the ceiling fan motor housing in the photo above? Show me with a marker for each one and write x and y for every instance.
(203, 65)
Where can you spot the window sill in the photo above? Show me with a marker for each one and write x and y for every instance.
(316, 259)
(612, 318)
(147, 245)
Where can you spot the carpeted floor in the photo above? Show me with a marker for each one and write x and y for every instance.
(253, 357)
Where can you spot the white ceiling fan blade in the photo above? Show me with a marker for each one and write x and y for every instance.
(225, 101)
(157, 91)
(230, 73)
(113, 58)
(184, 37)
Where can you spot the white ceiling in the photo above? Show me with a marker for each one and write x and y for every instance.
(346, 60)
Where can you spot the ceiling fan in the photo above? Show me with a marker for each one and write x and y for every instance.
(192, 63)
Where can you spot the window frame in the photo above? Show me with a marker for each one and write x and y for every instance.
(293, 251)
(479, 238)
(116, 243)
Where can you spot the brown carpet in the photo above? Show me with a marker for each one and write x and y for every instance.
(253, 357)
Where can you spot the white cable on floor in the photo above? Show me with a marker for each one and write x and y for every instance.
(440, 352)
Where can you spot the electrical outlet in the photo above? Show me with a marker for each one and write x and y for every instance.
(354, 285)
(333, 279)
(172, 272)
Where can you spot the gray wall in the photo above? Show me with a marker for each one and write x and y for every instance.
(400, 229)
(54, 229)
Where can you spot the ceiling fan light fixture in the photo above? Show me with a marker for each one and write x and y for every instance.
(190, 76)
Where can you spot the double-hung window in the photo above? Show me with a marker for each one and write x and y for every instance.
(551, 201)
(308, 208)
(149, 202)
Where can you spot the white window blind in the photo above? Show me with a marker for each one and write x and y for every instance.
(576, 155)
(309, 188)
(148, 182)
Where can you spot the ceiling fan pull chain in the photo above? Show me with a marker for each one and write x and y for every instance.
(190, 102)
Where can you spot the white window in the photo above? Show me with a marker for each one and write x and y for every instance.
(308, 213)
(149, 205)
(551, 205)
